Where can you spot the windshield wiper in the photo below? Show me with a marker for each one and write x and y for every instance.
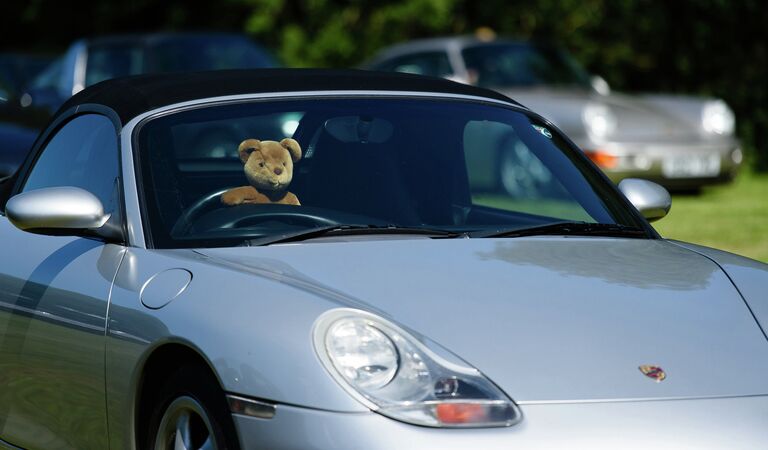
(351, 230)
(565, 228)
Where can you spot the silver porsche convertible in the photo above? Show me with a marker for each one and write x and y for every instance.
(398, 306)
(681, 142)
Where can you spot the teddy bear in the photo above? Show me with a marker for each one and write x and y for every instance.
(269, 170)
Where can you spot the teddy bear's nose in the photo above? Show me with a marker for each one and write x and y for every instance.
(278, 171)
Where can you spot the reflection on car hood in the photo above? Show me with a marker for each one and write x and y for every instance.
(636, 119)
(547, 318)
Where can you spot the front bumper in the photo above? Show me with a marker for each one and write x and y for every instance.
(674, 166)
(723, 423)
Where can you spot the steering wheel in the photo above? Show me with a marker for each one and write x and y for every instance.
(244, 214)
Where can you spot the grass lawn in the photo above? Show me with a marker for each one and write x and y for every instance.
(733, 217)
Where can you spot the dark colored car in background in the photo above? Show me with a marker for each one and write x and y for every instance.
(16, 69)
(15, 141)
(89, 61)
(16, 136)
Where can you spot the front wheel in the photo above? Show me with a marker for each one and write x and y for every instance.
(520, 173)
(191, 413)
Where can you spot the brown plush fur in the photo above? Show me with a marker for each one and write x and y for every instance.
(269, 169)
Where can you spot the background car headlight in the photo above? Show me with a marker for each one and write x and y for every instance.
(717, 117)
(396, 375)
(599, 120)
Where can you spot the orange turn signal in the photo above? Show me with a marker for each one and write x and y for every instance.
(456, 413)
(602, 159)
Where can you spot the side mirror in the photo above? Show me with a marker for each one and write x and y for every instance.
(652, 200)
(56, 210)
(600, 85)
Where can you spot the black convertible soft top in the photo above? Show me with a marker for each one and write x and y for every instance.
(132, 96)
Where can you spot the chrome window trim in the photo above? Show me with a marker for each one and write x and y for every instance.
(134, 226)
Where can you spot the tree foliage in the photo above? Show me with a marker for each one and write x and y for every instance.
(707, 47)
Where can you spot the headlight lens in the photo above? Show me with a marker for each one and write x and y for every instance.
(393, 373)
(599, 120)
(717, 117)
(362, 354)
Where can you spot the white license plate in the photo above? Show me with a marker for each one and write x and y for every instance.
(691, 166)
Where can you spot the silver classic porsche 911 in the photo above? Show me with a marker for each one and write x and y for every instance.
(681, 142)
(394, 302)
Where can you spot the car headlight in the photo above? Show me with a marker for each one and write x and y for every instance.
(717, 117)
(396, 375)
(599, 120)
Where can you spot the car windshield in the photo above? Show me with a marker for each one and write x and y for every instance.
(523, 65)
(446, 166)
(112, 60)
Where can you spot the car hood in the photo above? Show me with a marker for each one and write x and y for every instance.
(637, 120)
(549, 319)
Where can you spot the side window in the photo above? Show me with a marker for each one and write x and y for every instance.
(83, 153)
(435, 64)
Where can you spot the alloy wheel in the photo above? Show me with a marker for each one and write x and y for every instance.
(185, 426)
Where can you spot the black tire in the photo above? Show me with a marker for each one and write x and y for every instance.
(192, 391)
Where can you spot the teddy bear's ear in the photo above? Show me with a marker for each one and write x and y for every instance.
(293, 148)
(247, 147)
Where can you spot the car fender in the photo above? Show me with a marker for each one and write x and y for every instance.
(231, 317)
(748, 276)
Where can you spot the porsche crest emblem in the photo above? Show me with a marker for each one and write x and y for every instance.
(654, 372)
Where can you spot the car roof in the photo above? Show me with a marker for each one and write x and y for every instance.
(131, 96)
(437, 43)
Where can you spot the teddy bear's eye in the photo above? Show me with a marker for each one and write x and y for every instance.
(261, 164)
(283, 164)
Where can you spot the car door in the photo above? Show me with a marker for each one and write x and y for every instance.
(54, 293)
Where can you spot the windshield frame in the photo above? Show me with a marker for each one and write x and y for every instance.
(137, 214)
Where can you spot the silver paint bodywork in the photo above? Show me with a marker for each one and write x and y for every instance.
(748, 275)
(732, 423)
(561, 324)
(54, 294)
